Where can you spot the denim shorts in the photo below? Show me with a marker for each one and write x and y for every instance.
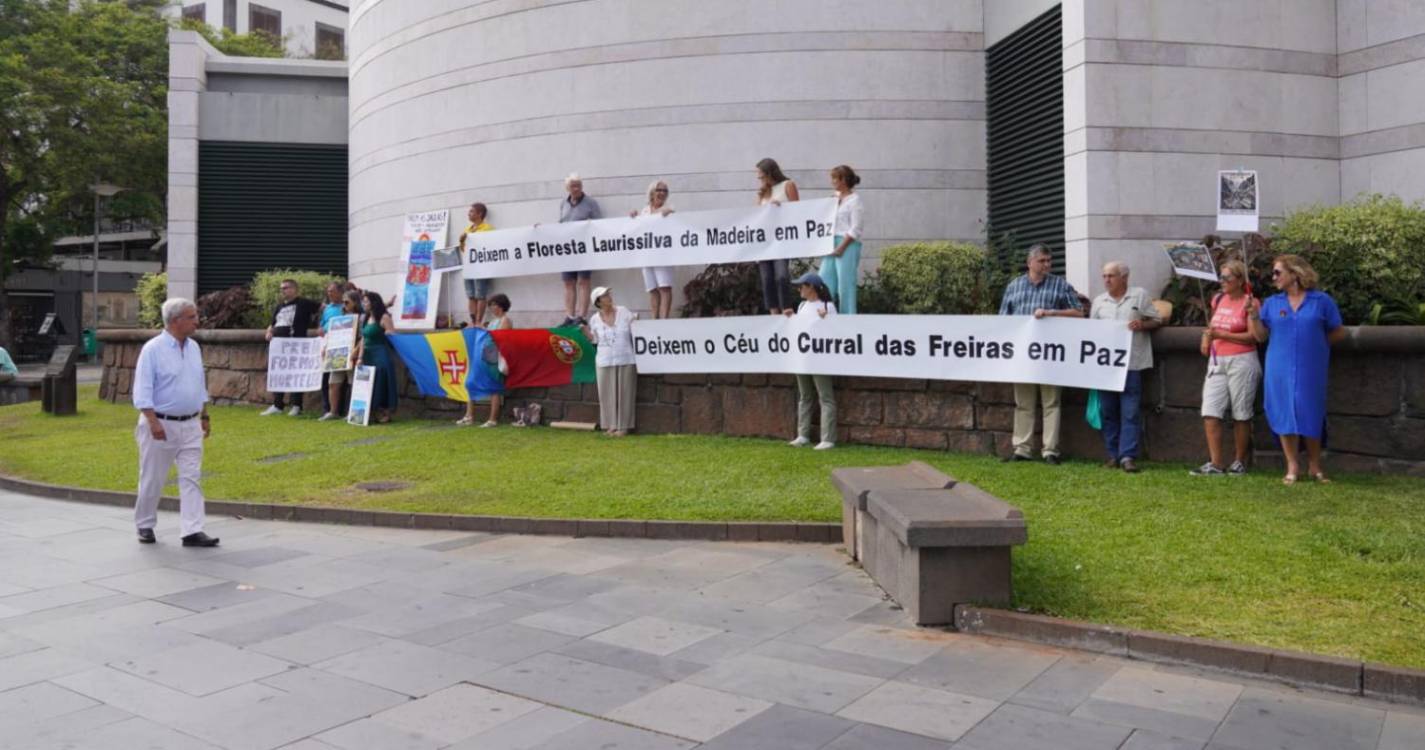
(477, 288)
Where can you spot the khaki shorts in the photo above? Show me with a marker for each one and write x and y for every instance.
(1231, 383)
(338, 377)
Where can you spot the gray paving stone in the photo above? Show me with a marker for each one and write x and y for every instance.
(1062, 687)
(976, 668)
(420, 614)
(1013, 727)
(283, 709)
(457, 713)
(371, 734)
(905, 645)
(603, 734)
(1403, 731)
(578, 619)
(217, 596)
(157, 582)
(838, 660)
(1170, 704)
(1142, 739)
(446, 632)
(533, 730)
(750, 620)
(781, 728)
(50, 598)
(202, 668)
(568, 588)
(1272, 720)
(61, 731)
(662, 667)
(135, 732)
(11, 644)
(37, 702)
(717, 648)
(498, 579)
(571, 683)
(406, 559)
(655, 635)
(688, 711)
(1154, 720)
(117, 633)
(317, 643)
(260, 556)
(800, 685)
(459, 542)
(825, 600)
(280, 624)
(236, 616)
(870, 737)
(407, 667)
(920, 710)
(507, 643)
(35, 666)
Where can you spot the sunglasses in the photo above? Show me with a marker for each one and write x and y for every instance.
(1276, 272)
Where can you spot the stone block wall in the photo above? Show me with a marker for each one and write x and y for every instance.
(1376, 405)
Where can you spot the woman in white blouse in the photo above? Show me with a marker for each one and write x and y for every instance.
(839, 269)
(657, 280)
(610, 328)
(816, 304)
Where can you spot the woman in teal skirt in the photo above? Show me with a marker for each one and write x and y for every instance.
(374, 350)
(839, 270)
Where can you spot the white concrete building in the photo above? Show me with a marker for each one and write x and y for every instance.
(305, 26)
(1096, 125)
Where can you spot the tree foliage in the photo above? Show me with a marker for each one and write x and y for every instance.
(83, 97)
(229, 42)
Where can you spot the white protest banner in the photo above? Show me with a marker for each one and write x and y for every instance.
(1237, 201)
(801, 229)
(419, 289)
(362, 384)
(1006, 349)
(338, 342)
(294, 365)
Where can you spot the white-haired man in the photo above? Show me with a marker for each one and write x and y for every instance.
(576, 206)
(171, 394)
(1122, 413)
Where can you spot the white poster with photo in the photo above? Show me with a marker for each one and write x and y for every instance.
(362, 385)
(1191, 259)
(1237, 201)
(294, 365)
(977, 348)
(419, 288)
(801, 229)
(338, 343)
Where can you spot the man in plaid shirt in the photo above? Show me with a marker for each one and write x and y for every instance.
(1041, 294)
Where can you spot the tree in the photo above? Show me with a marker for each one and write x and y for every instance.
(256, 44)
(83, 97)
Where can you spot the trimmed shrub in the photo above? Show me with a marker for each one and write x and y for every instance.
(932, 278)
(1187, 294)
(152, 290)
(723, 289)
(266, 290)
(1369, 251)
(228, 308)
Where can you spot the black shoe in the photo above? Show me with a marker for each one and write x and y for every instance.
(1011, 458)
(569, 321)
(146, 536)
(1052, 459)
(200, 540)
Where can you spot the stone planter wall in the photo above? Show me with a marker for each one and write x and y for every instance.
(1376, 421)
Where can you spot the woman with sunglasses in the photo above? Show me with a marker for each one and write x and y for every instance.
(657, 280)
(1299, 325)
(1233, 372)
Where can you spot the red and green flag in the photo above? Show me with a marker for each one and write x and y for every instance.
(475, 363)
(543, 357)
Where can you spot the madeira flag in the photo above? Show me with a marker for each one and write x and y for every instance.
(473, 362)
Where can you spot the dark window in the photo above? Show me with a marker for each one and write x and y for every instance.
(269, 205)
(196, 12)
(331, 43)
(1024, 92)
(230, 15)
(265, 20)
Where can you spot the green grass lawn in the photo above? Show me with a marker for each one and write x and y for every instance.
(1336, 569)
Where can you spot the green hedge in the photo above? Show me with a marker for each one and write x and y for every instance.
(932, 278)
(266, 289)
(152, 290)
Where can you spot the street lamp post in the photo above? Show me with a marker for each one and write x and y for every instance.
(101, 190)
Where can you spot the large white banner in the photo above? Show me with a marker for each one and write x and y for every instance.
(420, 281)
(801, 229)
(294, 365)
(1007, 349)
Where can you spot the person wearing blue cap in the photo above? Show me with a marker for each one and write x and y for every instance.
(816, 303)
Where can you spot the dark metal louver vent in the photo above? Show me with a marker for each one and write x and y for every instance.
(269, 205)
(1024, 89)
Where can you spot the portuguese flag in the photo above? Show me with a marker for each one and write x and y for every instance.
(475, 363)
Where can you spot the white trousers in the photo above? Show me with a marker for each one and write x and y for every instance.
(183, 446)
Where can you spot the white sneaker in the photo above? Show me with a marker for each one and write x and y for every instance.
(491, 423)
(295, 411)
(824, 446)
(326, 417)
(269, 411)
(799, 442)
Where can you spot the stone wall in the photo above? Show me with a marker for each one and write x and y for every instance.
(1376, 422)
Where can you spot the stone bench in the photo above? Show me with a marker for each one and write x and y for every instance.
(24, 388)
(929, 541)
(857, 483)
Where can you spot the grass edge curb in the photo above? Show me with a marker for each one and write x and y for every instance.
(818, 533)
(1295, 668)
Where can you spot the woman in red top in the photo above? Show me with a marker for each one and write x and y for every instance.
(1233, 371)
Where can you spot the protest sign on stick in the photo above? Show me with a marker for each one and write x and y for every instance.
(1237, 201)
(338, 342)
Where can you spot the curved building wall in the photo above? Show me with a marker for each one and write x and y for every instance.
(455, 101)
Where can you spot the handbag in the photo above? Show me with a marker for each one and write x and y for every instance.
(1091, 412)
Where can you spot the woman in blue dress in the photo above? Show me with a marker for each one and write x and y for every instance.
(374, 350)
(1299, 325)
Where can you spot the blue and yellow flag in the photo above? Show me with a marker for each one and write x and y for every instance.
(452, 364)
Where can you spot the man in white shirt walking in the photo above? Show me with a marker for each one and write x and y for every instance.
(171, 394)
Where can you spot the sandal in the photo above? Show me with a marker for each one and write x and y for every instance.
(1289, 480)
(1321, 478)
(465, 421)
(491, 423)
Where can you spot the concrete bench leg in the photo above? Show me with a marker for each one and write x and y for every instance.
(932, 580)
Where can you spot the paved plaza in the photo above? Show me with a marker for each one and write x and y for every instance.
(316, 637)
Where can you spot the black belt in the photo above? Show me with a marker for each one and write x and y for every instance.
(171, 418)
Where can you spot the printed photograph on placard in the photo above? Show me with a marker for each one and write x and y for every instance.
(1237, 200)
(415, 302)
(1191, 259)
(447, 258)
(362, 384)
(419, 283)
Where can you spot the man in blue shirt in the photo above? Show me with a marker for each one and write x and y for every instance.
(171, 394)
(1043, 295)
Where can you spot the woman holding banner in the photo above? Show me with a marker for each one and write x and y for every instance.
(1302, 324)
(775, 190)
(373, 349)
(657, 280)
(336, 381)
(839, 270)
(610, 328)
(498, 307)
(816, 304)
(1233, 372)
